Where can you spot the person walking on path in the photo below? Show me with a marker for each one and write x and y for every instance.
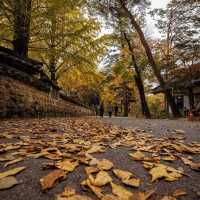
(101, 109)
(110, 109)
(116, 110)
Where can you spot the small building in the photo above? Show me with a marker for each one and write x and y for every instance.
(185, 89)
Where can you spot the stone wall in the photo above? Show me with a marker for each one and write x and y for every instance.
(20, 99)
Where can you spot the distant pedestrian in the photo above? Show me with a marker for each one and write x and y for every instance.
(110, 109)
(101, 109)
(116, 108)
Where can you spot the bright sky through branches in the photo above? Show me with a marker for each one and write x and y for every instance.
(151, 29)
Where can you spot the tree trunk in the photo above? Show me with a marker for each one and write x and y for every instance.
(126, 103)
(22, 18)
(138, 80)
(156, 71)
(52, 70)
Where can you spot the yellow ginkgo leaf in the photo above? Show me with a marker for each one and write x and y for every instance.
(122, 174)
(138, 155)
(96, 190)
(8, 182)
(101, 179)
(67, 165)
(173, 176)
(120, 192)
(132, 182)
(68, 191)
(148, 165)
(104, 164)
(13, 162)
(158, 172)
(11, 172)
(96, 149)
(91, 170)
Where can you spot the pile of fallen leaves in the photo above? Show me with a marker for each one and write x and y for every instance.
(75, 141)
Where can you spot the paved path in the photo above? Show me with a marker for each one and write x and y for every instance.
(160, 127)
(30, 188)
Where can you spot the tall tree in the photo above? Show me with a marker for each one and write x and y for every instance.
(138, 80)
(128, 8)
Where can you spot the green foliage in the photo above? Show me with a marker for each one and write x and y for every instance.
(156, 105)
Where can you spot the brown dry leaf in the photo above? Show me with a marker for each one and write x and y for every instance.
(52, 156)
(96, 190)
(52, 178)
(91, 170)
(162, 171)
(138, 155)
(194, 166)
(148, 165)
(68, 191)
(84, 160)
(37, 155)
(67, 165)
(8, 182)
(102, 178)
(13, 162)
(104, 164)
(6, 157)
(178, 193)
(122, 174)
(11, 172)
(169, 158)
(96, 149)
(121, 192)
(132, 182)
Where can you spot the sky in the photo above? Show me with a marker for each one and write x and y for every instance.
(151, 29)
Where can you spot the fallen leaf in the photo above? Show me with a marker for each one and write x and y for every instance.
(102, 178)
(67, 165)
(138, 155)
(104, 164)
(8, 182)
(91, 170)
(52, 178)
(96, 190)
(142, 195)
(158, 172)
(68, 191)
(122, 174)
(169, 158)
(96, 149)
(132, 182)
(194, 166)
(13, 162)
(178, 193)
(11, 172)
(121, 192)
